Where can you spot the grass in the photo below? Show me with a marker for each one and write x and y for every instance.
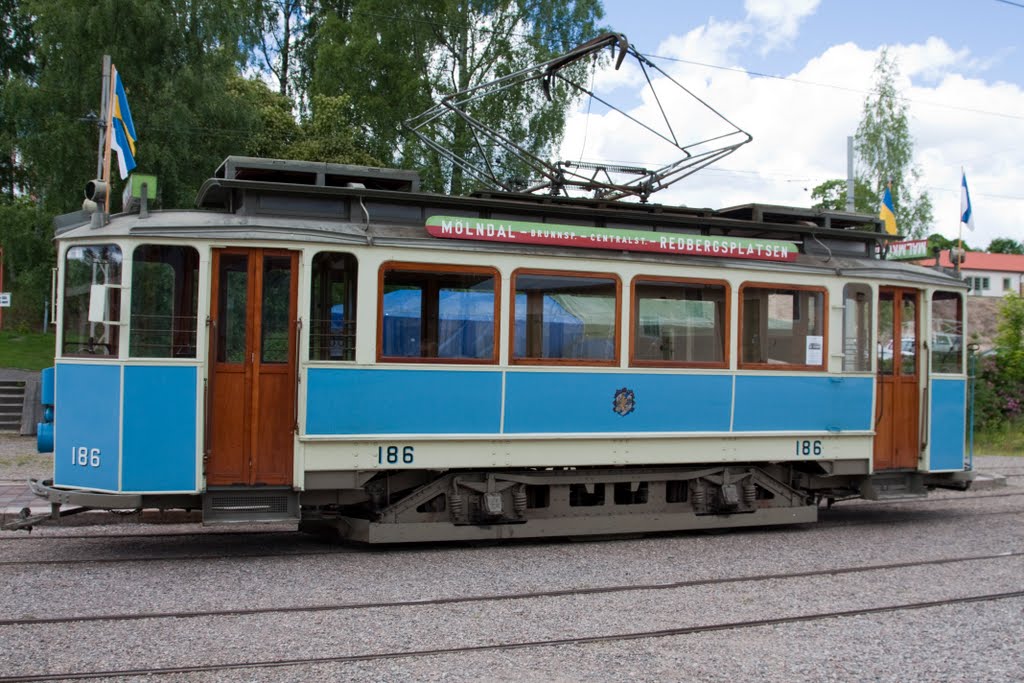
(26, 351)
(1007, 439)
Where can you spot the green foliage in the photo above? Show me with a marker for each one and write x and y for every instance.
(394, 59)
(831, 196)
(329, 135)
(885, 150)
(999, 392)
(935, 240)
(178, 59)
(16, 64)
(1005, 245)
(25, 236)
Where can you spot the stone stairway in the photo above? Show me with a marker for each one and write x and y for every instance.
(12, 398)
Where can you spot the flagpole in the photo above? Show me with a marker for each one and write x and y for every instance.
(959, 238)
(110, 82)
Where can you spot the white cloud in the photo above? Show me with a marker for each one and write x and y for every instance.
(800, 129)
(779, 20)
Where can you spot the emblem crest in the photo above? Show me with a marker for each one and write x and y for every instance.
(624, 401)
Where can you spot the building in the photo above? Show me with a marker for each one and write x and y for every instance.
(991, 275)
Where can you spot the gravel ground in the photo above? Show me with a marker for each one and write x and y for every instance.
(975, 641)
(19, 459)
(197, 569)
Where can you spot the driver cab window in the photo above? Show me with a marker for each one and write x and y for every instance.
(92, 300)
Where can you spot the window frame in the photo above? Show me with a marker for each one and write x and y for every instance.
(871, 301)
(113, 317)
(634, 323)
(616, 359)
(783, 367)
(350, 315)
(440, 268)
(175, 331)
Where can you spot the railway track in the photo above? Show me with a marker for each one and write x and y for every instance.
(832, 517)
(675, 585)
(518, 645)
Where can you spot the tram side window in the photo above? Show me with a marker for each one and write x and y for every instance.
(680, 322)
(92, 300)
(432, 312)
(782, 327)
(856, 328)
(947, 345)
(165, 296)
(332, 315)
(565, 317)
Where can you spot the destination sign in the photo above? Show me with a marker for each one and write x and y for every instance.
(908, 249)
(524, 232)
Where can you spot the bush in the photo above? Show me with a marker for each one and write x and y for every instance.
(999, 387)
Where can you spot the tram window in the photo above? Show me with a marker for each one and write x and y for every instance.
(947, 332)
(438, 312)
(332, 315)
(856, 328)
(782, 327)
(564, 317)
(92, 300)
(164, 297)
(680, 322)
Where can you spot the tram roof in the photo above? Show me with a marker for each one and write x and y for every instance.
(242, 184)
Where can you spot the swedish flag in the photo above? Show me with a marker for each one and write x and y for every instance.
(888, 212)
(123, 139)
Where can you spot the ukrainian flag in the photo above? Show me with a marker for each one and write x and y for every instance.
(888, 212)
(123, 140)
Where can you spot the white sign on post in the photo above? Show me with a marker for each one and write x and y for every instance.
(5, 299)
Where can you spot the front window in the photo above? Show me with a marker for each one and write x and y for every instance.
(782, 327)
(165, 295)
(565, 317)
(92, 300)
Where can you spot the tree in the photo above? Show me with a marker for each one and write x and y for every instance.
(885, 150)
(17, 65)
(178, 60)
(831, 196)
(1005, 245)
(394, 59)
(25, 234)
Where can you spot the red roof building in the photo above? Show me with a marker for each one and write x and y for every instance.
(988, 274)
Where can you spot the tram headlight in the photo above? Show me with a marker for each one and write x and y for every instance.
(96, 191)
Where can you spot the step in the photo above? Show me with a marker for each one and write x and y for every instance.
(894, 486)
(238, 505)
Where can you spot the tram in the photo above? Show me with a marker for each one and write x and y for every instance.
(328, 345)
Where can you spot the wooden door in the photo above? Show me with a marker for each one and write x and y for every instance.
(252, 417)
(897, 409)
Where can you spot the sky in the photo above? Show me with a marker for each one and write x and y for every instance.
(795, 74)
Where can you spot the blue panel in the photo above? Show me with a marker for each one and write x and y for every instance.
(549, 402)
(353, 401)
(159, 429)
(87, 418)
(785, 403)
(948, 424)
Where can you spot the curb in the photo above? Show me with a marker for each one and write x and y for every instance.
(987, 482)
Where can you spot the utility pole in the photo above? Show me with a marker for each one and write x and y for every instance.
(849, 174)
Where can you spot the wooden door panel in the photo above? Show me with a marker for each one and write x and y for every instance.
(897, 402)
(228, 462)
(253, 368)
(272, 436)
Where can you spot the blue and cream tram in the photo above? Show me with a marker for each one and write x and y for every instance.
(328, 345)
